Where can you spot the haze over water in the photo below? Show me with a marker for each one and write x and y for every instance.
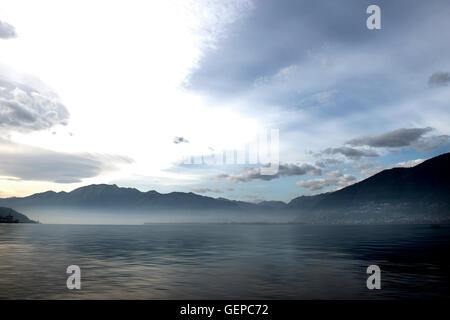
(223, 261)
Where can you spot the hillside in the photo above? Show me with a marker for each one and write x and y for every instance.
(8, 215)
(420, 193)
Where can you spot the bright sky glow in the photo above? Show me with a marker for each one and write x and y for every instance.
(135, 75)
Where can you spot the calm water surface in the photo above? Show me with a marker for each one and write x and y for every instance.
(217, 261)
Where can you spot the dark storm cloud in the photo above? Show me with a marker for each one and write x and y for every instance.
(253, 173)
(281, 34)
(275, 35)
(351, 153)
(7, 31)
(413, 137)
(29, 163)
(29, 106)
(393, 139)
(439, 79)
(178, 140)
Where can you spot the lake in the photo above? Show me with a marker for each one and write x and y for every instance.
(224, 261)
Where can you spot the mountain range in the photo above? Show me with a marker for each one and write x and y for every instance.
(397, 195)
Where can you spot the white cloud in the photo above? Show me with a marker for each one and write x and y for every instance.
(28, 105)
(119, 72)
(408, 164)
(332, 179)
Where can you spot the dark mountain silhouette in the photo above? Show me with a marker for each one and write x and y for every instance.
(8, 215)
(417, 194)
(113, 197)
(420, 193)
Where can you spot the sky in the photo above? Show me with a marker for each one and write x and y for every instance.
(145, 93)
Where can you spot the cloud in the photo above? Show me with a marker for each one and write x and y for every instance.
(439, 79)
(362, 165)
(398, 138)
(321, 89)
(241, 58)
(332, 178)
(178, 140)
(351, 153)
(408, 164)
(412, 137)
(7, 31)
(244, 58)
(28, 105)
(327, 162)
(253, 173)
(432, 143)
(324, 97)
(334, 174)
(29, 163)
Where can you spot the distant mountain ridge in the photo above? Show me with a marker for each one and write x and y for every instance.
(112, 196)
(406, 195)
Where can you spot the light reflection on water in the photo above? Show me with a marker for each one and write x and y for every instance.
(218, 261)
